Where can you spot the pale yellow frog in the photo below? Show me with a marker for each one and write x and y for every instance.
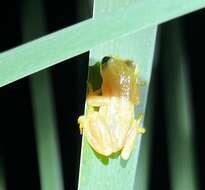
(109, 124)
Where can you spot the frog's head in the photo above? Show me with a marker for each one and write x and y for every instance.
(116, 66)
(106, 59)
(120, 78)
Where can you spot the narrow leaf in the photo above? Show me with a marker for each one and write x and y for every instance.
(178, 110)
(143, 167)
(97, 172)
(42, 102)
(2, 175)
(69, 42)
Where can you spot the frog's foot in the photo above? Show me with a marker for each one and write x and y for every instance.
(81, 122)
(137, 122)
(96, 92)
(92, 92)
(131, 137)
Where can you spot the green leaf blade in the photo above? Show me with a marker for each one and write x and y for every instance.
(69, 42)
(98, 172)
(48, 152)
(178, 112)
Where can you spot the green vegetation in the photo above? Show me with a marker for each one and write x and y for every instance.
(125, 28)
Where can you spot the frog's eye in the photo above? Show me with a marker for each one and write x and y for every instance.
(105, 59)
(129, 64)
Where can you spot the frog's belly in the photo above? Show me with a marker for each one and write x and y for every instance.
(120, 114)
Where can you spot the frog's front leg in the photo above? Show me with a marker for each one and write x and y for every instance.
(95, 127)
(131, 137)
(92, 101)
(97, 101)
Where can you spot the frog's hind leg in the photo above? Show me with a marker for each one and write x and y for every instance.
(97, 133)
(134, 131)
(129, 144)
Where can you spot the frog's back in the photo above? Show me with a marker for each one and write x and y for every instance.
(119, 116)
(120, 80)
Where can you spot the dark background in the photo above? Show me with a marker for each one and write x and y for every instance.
(17, 138)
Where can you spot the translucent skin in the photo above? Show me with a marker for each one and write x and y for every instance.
(110, 125)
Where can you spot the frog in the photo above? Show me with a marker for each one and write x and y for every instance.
(109, 124)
